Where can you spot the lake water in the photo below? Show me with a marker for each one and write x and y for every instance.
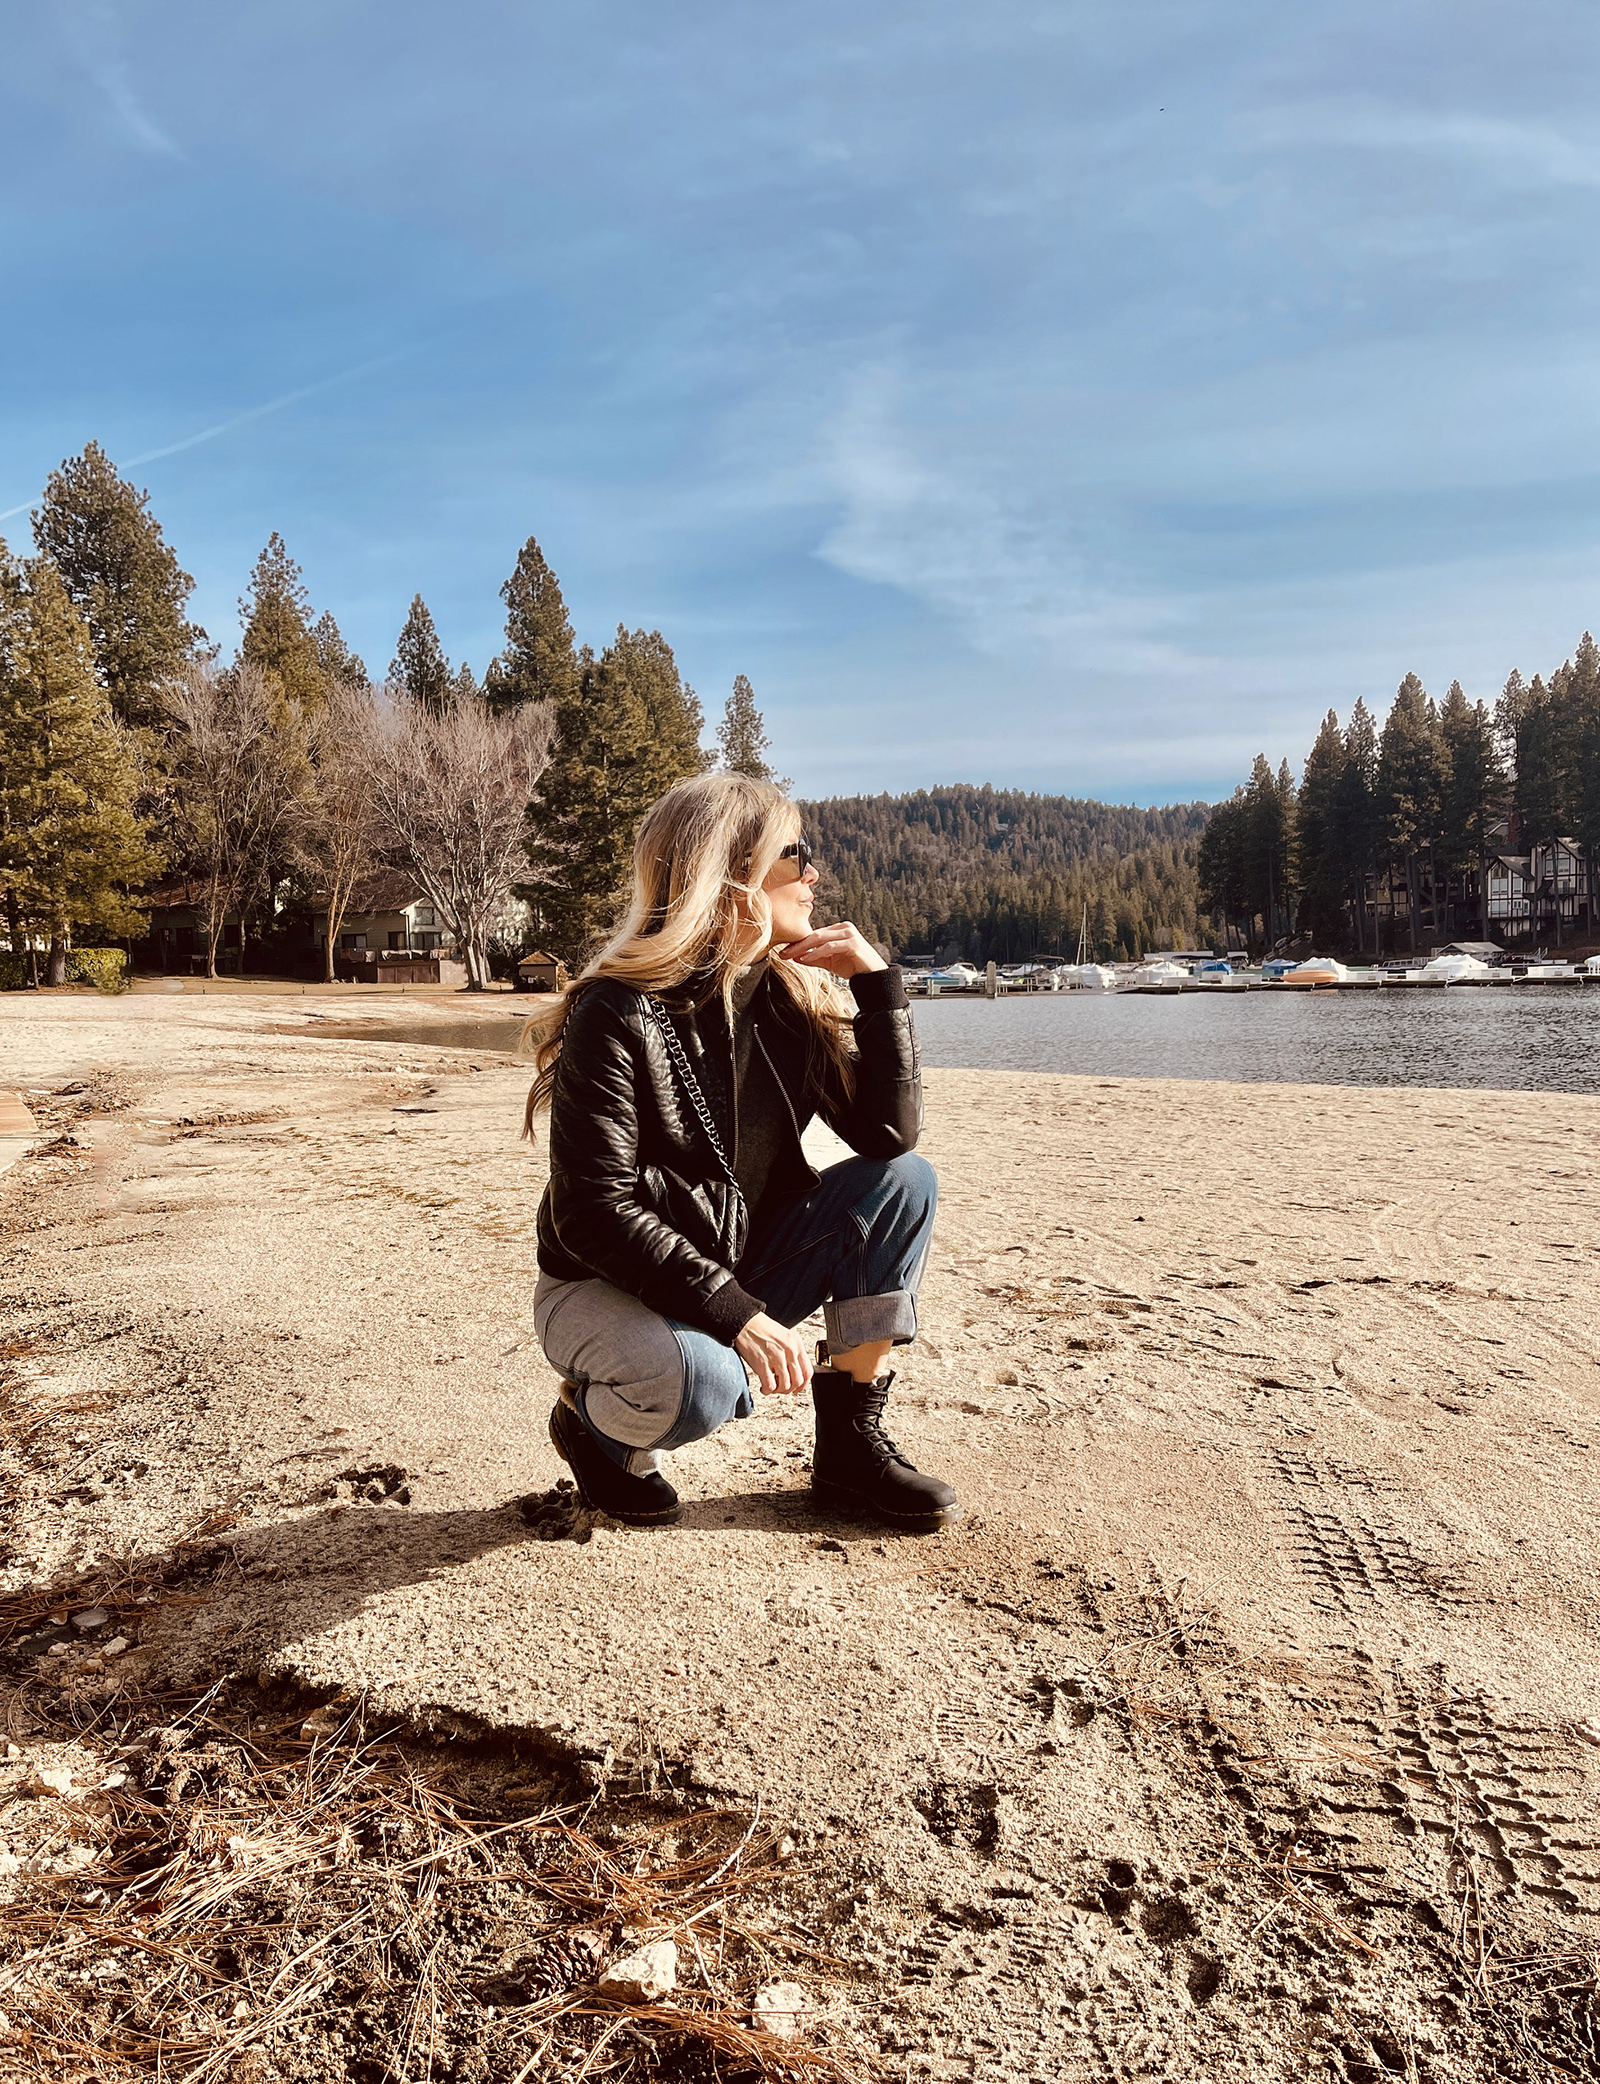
(1519, 1039)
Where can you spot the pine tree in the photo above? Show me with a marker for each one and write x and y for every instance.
(539, 663)
(1357, 823)
(276, 614)
(1269, 845)
(419, 665)
(1542, 752)
(645, 660)
(1508, 712)
(587, 808)
(337, 663)
(1322, 883)
(1411, 778)
(122, 577)
(1222, 869)
(743, 737)
(71, 842)
(1584, 694)
(626, 733)
(1474, 792)
(464, 687)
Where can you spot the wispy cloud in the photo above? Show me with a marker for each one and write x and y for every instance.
(97, 39)
(239, 419)
(930, 525)
(1524, 151)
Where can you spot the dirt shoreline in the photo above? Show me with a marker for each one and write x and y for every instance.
(1265, 1661)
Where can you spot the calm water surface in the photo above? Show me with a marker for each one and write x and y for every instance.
(1518, 1039)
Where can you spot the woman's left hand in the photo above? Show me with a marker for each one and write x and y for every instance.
(843, 949)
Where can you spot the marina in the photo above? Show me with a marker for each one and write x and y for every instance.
(1196, 970)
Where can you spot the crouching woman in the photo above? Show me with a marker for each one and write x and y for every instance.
(684, 1233)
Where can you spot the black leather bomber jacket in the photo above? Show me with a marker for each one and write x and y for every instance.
(634, 1183)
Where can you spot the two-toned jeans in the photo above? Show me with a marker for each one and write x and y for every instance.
(855, 1246)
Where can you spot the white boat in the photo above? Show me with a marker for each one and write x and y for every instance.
(1159, 975)
(958, 978)
(1453, 969)
(1317, 969)
(1084, 975)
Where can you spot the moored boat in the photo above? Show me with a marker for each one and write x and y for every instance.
(1453, 969)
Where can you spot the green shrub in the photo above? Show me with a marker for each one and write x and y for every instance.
(105, 968)
(13, 973)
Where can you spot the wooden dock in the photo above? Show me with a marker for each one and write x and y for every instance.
(1495, 980)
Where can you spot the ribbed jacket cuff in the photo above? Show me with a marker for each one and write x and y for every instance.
(879, 991)
(728, 1309)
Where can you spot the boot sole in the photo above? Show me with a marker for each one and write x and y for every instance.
(854, 1506)
(668, 1518)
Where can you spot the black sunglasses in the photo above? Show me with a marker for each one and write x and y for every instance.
(800, 853)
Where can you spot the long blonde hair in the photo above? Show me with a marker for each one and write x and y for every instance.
(695, 913)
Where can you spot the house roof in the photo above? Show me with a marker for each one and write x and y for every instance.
(534, 960)
(385, 890)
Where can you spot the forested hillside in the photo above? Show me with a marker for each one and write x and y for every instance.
(998, 874)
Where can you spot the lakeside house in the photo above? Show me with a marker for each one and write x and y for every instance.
(1543, 893)
(388, 912)
(390, 926)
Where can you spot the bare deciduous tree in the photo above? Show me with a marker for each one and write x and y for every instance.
(338, 831)
(238, 775)
(452, 793)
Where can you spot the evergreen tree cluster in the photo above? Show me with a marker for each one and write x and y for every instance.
(1393, 829)
(985, 874)
(101, 772)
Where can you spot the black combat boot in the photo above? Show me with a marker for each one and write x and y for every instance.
(857, 1468)
(604, 1485)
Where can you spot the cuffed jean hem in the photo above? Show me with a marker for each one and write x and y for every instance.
(638, 1461)
(714, 1388)
(866, 1320)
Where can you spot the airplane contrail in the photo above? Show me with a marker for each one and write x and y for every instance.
(241, 419)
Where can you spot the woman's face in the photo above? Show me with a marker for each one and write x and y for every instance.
(791, 891)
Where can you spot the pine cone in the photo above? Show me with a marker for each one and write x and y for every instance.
(563, 1960)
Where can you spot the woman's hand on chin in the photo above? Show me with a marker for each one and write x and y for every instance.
(775, 1355)
(843, 949)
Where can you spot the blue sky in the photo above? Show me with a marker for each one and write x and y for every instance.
(1077, 396)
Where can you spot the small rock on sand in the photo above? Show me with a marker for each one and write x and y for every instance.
(780, 2009)
(49, 1780)
(644, 1977)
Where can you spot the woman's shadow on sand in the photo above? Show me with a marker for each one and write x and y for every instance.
(229, 1605)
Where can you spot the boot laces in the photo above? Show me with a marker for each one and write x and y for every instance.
(869, 1424)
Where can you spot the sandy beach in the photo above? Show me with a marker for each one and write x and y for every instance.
(1249, 1720)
